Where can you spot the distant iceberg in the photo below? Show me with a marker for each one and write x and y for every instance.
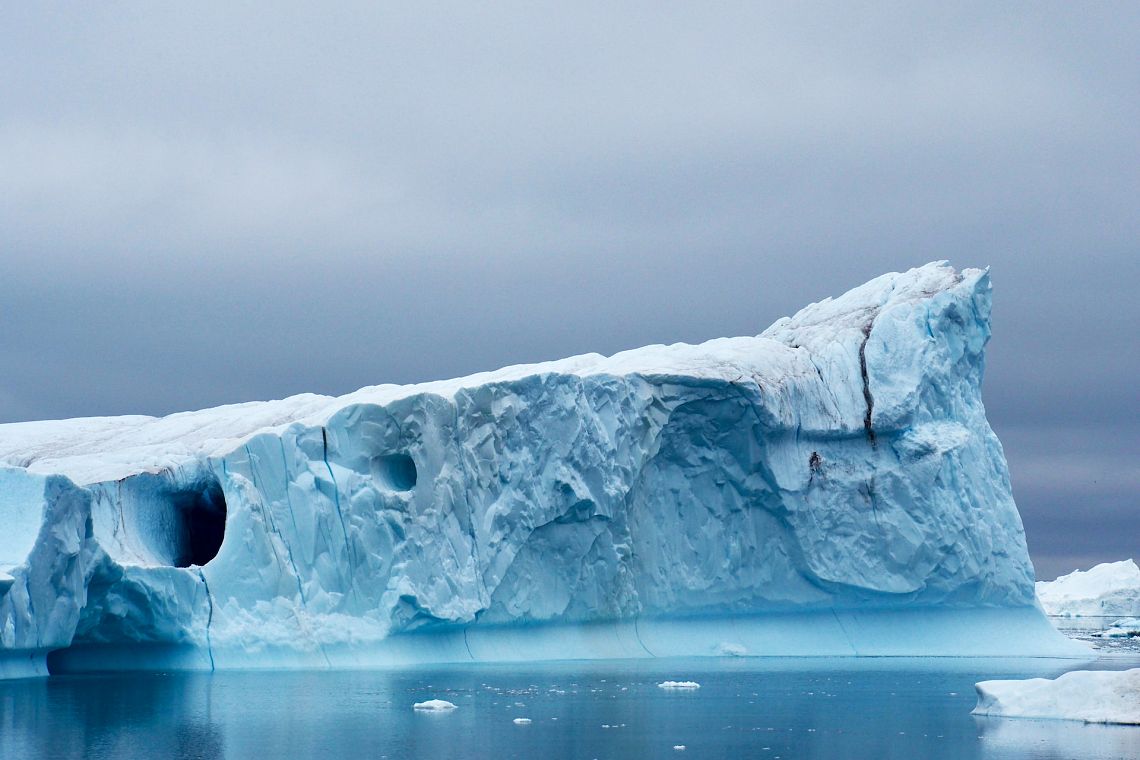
(1092, 696)
(829, 487)
(1111, 589)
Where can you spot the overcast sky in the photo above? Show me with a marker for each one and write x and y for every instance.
(207, 206)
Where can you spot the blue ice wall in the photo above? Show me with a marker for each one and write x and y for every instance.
(828, 487)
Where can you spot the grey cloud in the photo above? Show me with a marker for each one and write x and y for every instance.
(205, 205)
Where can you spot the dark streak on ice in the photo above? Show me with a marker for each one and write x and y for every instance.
(209, 617)
(866, 385)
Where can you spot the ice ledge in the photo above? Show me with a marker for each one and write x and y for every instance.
(1005, 633)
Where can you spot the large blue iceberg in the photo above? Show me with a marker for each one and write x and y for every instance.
(829, 487)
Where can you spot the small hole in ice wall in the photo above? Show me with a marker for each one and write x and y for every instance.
(394, 471)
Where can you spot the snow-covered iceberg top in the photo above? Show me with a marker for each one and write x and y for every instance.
(1111, 589)
(830, 486)
(1092, 696)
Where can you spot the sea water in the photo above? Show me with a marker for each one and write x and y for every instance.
(745, 707)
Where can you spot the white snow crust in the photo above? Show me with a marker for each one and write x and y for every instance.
(1111, 589)
(1099, 696)
(828, 487)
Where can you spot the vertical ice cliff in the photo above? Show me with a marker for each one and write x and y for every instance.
(830, 486)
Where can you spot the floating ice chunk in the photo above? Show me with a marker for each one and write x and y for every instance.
(678, 685)
(1111, 589)
(434, 705)
(1125, 628)
(679, 747)
(1100, 696)
(521, 721)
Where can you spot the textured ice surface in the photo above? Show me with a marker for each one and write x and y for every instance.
(1111, 589)
(828, 487)
(1099, 696)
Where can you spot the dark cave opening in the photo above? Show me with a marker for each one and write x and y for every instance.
(201, 515)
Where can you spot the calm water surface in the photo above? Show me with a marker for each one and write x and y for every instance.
(745, 708)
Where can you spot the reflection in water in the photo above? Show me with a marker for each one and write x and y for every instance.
(1057, 738)
(110, 716)
(786, 708)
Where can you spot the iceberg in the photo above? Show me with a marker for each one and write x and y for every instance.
(828, 487)
(1111, 589)
(1092, 696)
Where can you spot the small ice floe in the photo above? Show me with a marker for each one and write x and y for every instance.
(1124, 628)
(434, 705)
(521, 721)
(1092, 696)
(678, 685)
(679, 747)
